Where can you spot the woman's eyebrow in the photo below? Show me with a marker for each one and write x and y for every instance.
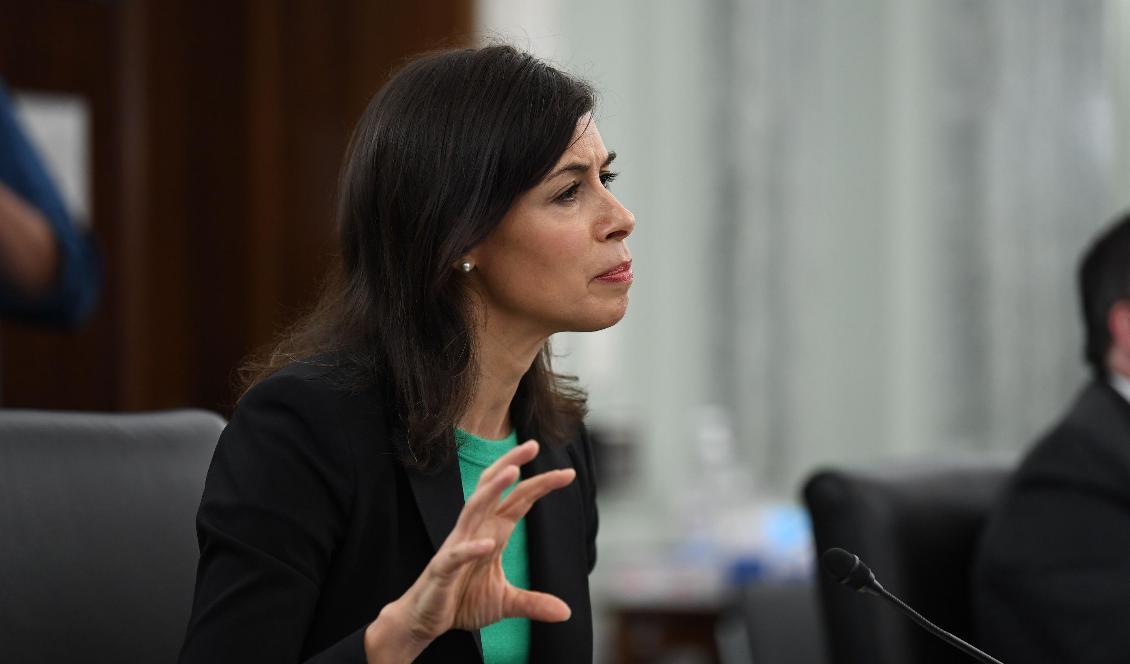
(579, 167)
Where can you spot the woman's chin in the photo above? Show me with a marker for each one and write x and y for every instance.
(603, 319)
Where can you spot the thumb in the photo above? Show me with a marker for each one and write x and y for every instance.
(535, 606)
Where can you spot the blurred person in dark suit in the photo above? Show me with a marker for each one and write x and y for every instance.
(49, 269)
(364, 503)
(1051, 581)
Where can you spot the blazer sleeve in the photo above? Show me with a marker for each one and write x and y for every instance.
(276, 500)
(1053, 583)
(587, 478)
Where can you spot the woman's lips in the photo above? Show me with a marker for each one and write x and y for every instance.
(620, 274)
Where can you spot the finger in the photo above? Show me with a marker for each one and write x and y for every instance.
(529, 491)
(519, 456)
(447, 562)
(535, 606)
(483, 502)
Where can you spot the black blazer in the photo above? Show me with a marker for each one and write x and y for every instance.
(309, 525)
(1051, 581)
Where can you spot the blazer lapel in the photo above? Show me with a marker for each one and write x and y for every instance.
(555, 535)
(439, 497)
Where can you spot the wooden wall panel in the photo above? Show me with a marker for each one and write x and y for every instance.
(220, 128)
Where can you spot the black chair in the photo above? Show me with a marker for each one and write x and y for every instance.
(916, 525)
(772, 622)
(97, 535)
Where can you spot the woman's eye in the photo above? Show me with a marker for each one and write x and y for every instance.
(570, 194)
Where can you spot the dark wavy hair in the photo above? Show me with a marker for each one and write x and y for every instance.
(1104, 280)
(439, 156)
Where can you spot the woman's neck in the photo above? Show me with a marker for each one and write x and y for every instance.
(505, 353)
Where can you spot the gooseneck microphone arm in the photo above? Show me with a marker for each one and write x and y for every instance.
(847, 569)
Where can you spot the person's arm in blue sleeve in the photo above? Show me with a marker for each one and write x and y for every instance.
(70, 296)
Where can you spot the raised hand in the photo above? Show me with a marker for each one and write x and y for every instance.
(463, 586)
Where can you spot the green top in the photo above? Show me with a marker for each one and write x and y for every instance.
(508, 640)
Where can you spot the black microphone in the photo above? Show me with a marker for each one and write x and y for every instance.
(846, 568)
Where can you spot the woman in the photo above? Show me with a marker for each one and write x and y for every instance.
(357, 508)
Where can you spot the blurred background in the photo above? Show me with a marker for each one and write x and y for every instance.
(858, 224)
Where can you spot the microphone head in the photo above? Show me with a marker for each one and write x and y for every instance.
(848, 569)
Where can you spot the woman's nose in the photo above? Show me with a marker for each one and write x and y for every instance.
(619, 221)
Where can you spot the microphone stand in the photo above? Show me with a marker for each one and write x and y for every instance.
(847, 569)
(969, 649)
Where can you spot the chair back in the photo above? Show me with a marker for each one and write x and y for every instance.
(916, 526)
(97, 538)
(772, 622)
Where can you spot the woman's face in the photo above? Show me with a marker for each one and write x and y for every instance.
(558, 261)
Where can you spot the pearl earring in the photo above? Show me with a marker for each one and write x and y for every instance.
(466, 266)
